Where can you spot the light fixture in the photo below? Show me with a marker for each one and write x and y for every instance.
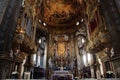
(40, 21)
(22, 31)
(34, 57)
(82, 20)
(89, 58)
(39, 41)
(44, 24)
(77, 23)
(83, 41)
(85, 59)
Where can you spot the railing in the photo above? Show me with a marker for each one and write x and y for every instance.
(61, 75)
(73, 79)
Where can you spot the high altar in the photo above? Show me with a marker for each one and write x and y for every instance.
(61, 55)
(62, 75)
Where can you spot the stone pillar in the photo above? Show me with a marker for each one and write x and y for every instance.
(95, 65)
(98, 75)
(8, 24)
(19, 70)
(41, 61)
(92, 72)
(113, 67)
(22, 68)
(5, 66)
(8, 21)
(76, 69)
(112, 18)
(104, 70)
(45, 56)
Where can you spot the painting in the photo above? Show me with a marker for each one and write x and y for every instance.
(61, 48)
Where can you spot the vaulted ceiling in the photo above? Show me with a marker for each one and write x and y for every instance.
(61, 13)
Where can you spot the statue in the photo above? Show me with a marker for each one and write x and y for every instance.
(61, 68)
(50, 63)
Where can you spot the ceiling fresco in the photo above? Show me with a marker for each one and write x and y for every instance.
(60, 12)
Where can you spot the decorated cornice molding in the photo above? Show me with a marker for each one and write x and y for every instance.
(5, 56)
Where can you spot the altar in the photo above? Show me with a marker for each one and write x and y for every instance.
(62, 75)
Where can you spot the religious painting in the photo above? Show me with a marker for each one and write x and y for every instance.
(61, 48)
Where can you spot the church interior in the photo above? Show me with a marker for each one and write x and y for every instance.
(59, 39)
